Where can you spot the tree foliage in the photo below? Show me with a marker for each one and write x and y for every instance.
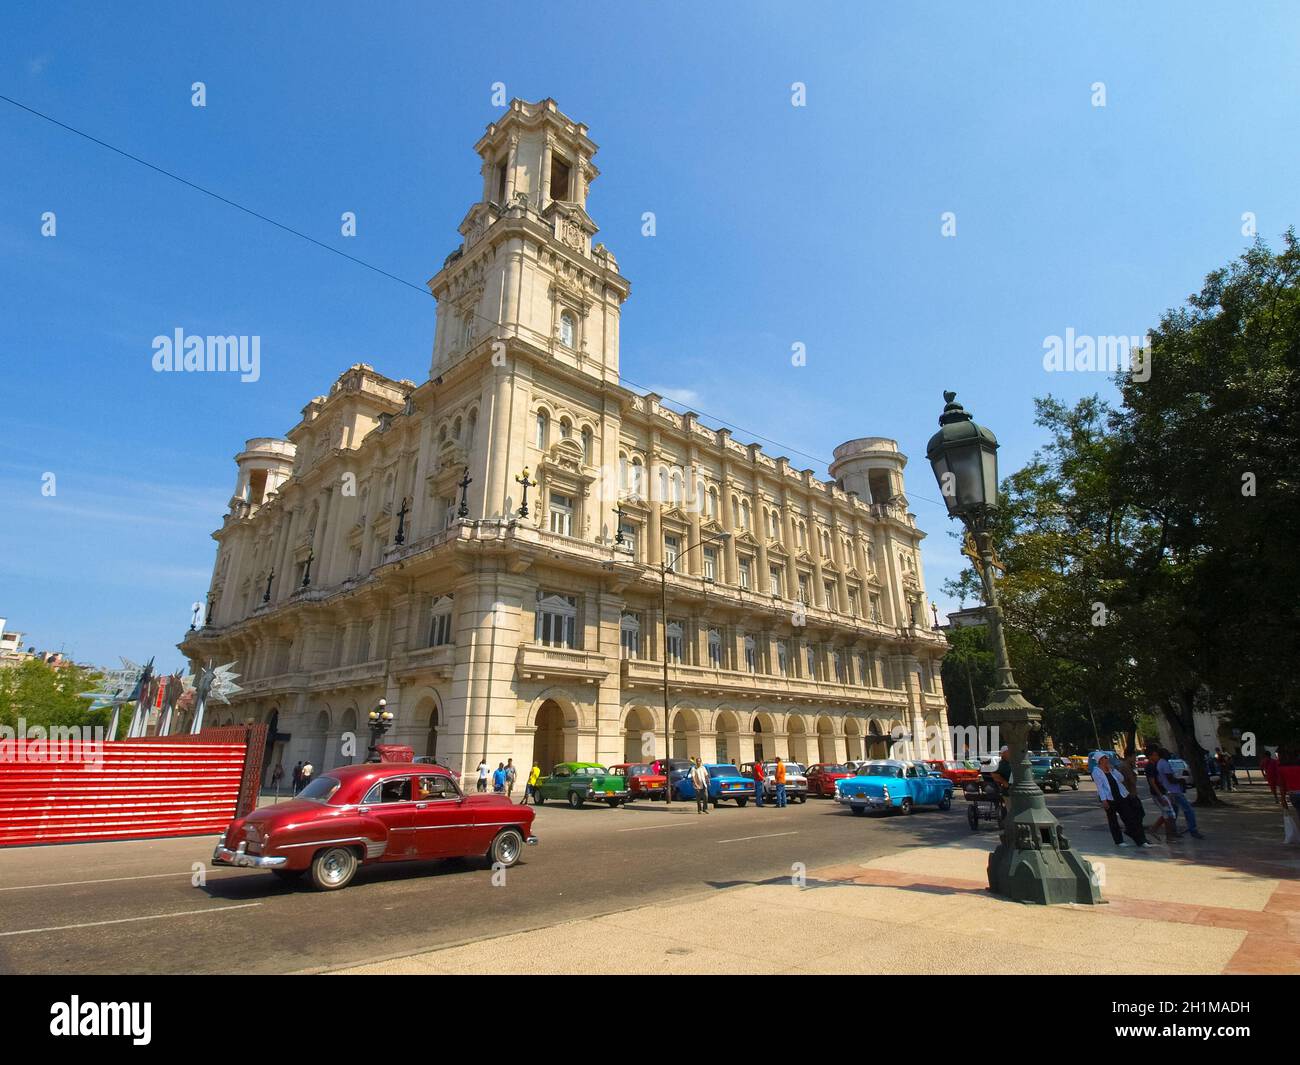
(1151, 546)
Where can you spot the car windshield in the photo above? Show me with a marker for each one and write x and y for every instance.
(590, 771)
(955, 765)
(835, 769)
(880, 769)
(321, 789)
(637, 770)
(722, 767)
(1040, 761)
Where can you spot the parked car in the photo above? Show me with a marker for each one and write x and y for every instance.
(673, 769)
(1184, 773)
(1079, 763)
(822, 777)
(581, 782)
(962, 774)
(891, 785)
(796, 780)
(375, 812)
(1053, 774)
(725, 783)
(642, 781)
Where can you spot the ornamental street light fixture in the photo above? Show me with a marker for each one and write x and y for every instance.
(1033, 862)
(380, 720)
(523, 479)
(664, 567)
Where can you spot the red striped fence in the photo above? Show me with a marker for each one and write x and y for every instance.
(65, 792)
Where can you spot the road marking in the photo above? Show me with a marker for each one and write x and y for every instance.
(115, 879)
(768, 835)
(128, 920)
(647, 828)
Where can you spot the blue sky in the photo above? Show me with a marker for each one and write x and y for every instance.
(775, 225)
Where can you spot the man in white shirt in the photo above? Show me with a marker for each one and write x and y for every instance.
(482, 775)
(1118, 803)
(700, 782)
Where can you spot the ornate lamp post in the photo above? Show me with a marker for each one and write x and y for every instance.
(1033, 862)
(462, 511)
(523, 479)
(664, 567)
(380, 720)
(306, 570)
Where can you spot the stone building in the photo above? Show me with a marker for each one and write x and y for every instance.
(348, 569)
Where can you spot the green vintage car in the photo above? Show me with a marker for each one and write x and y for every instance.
(580, 782)
(1051, 773)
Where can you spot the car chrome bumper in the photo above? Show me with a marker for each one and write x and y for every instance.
(872, 802)
(532, 841)
(223, 855)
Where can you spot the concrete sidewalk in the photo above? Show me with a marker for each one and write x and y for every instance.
(1228, 904)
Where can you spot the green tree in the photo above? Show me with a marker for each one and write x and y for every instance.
(45, 696)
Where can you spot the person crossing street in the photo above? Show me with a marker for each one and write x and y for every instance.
(700, 782)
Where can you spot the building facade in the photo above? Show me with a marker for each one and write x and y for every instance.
(489, 550)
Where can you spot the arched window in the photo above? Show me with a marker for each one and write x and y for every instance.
(623, 481)
(543, 429)
(638, 477)
(455, 429)
(566, 428)
(744, 514)
(712, 502)
(472, 426)
(586, 445)
(735, 512)
(566, 329)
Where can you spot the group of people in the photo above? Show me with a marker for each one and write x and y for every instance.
(503, 777)
(1117, 790)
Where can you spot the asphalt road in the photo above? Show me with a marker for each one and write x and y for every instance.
(159, 907)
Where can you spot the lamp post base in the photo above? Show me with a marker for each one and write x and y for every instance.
(1034, 862)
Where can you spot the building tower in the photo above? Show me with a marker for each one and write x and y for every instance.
(526, 285)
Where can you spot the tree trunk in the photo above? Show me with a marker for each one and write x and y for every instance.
(1179, 713)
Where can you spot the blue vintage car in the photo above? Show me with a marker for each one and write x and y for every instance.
(890, 784)
(725, 782)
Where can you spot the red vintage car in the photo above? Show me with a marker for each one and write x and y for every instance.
(643, 780)
(822, 777)
(959, 773)
(376, 812)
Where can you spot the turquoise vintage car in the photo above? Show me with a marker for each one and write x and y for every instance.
(890, 785)
(725, 783)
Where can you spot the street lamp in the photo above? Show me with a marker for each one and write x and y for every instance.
(1033, 862)
(664, 567)
(380, 720)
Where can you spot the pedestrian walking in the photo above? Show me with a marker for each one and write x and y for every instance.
(1224, 761)
(297, 777)
(307, 770)
(1173, 788)
(1128, 770)
(778, 774)
(277, 775)
(530, 789)
(482, 774)
(499, 779)
(1118, 803)
(511, 774)
(759, 779)
(1268, 765)
(700, 782)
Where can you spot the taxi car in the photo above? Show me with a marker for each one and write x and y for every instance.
(357, 815)
(578, 783)
(892, 785)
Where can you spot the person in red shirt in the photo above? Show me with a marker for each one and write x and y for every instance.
(758, 783)
(1268, 766)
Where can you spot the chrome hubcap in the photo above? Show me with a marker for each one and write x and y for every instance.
(334, 866)
(508, 849)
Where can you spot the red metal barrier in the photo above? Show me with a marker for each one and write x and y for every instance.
(173, 786)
